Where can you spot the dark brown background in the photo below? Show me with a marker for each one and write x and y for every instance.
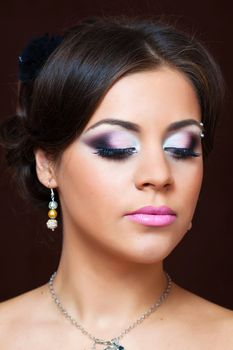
(203, 262)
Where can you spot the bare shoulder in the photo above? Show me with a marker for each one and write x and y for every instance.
(201, 306)
(16, 307)
(18, 314)
(205, 318)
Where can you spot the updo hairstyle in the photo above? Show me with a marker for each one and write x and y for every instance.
(55, 105)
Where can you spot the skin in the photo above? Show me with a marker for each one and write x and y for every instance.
(111, 269)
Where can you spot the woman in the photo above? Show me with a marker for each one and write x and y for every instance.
(113, 123)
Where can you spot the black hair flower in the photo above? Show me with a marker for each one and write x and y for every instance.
(35, 55)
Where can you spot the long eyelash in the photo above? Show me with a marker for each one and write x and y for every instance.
(182, 153)
(115, 153)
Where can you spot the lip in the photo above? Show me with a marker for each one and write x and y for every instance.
(152, 216)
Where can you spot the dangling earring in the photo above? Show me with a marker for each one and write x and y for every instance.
(52, 214)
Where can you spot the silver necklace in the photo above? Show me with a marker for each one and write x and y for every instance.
(112, 344)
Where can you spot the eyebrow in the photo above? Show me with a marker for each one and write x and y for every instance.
(124, 124)
(135, 127)
(182, 123)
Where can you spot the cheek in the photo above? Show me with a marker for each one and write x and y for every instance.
(87, 182)
(188, 179)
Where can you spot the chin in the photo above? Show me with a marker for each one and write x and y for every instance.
(147, 254)
(151, 248)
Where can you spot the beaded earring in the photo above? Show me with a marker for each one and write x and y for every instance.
(52, 214)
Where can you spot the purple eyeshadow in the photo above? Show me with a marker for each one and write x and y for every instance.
(100, 141)
(111, 140)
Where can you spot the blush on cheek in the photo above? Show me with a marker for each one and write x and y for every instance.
(194, 184)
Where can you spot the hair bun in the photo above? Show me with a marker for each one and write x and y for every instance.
(12, 139)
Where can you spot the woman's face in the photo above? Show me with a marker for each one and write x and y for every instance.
(141, 151)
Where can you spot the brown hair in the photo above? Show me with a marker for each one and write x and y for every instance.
(55, 106)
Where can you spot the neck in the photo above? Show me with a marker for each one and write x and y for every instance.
(98, 290)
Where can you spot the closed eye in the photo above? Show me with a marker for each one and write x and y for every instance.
(181, 153)
(115, 153)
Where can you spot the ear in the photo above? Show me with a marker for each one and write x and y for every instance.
(45, 169)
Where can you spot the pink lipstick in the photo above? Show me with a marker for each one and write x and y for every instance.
(153, 216)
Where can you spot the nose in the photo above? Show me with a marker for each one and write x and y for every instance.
(153, 171)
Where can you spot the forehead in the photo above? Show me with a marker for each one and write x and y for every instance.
(157, 97)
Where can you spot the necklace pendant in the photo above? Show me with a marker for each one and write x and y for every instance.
(114, 346)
